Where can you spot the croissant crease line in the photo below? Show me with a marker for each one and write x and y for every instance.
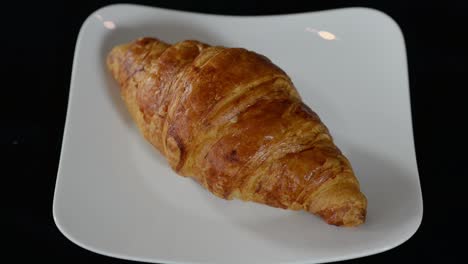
(233, 121)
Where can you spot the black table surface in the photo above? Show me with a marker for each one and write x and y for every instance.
(38, 42)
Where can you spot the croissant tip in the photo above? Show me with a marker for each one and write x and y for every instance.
(347, 216)
(354, 217)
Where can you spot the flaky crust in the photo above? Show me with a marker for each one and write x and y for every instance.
(233, 121)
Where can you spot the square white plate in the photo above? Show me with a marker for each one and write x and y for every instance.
(116, 196)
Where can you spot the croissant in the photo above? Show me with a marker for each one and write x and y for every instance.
(234, 122)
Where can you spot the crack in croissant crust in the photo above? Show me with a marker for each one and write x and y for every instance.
(233, 121)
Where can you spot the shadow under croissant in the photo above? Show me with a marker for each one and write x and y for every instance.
(390, 204)
(169, 31)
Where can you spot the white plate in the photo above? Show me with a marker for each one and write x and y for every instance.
(118, 197)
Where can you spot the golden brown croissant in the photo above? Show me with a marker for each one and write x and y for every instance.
(233, 121)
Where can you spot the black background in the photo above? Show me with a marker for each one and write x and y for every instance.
(38, 41)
